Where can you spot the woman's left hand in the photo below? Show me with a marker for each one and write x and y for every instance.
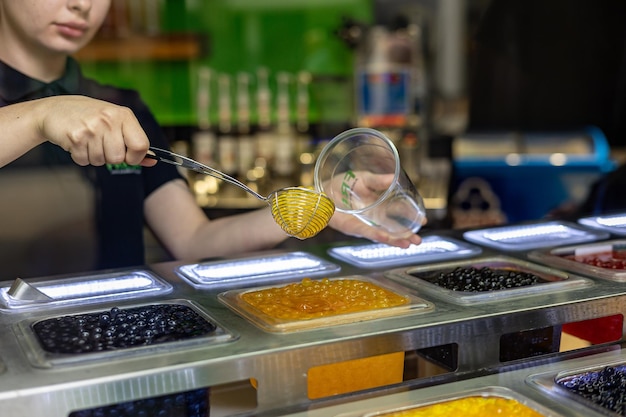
(352, 226)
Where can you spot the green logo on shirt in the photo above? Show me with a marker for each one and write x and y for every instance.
(123, 168)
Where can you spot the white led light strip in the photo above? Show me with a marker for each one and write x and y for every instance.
(384, 251)
(526, 232)
(615, 221)
(255, 267)
(96, 287)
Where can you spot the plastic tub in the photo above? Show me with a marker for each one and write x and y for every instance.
(428, 279)
(606, 260)
(307, 310)
(116, 333)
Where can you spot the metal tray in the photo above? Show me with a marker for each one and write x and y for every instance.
(81, 289)
(257, 269)
(486, 392)
(41, 357)
(378, 255)
(534, 236)
(546, 382)
(557, 257)
(233, 299)
(614, 223)
(422, 277)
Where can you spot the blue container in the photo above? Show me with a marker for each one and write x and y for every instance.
(532, 173)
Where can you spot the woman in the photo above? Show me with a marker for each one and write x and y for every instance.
(106, 138)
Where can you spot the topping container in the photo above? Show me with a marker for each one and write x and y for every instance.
(486, 279)
(335, 301)
(489, 401)
(478, 402)
(606, 260)
(114, 333)
(593, 388)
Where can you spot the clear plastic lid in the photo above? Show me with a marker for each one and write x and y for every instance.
(378, 255)
(257, 269)
(533, 236)
(81, 289)
(614, 223)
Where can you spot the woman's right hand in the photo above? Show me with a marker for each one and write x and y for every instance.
(94, 132)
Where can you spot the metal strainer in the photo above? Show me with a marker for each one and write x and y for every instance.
(301, 212)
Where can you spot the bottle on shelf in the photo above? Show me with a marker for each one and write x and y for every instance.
(264, 133)
(144, 16)
(226, 143)
(391, 90)
(246, 142)
(203, 140)
(389, 77)
(284, 166)
(304, 152)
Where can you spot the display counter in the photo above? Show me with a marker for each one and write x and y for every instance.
(221, 344)
(531, 385)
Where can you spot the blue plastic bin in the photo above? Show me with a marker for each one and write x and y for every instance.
(533, 172)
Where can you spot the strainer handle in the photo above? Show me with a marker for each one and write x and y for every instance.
(182, 161)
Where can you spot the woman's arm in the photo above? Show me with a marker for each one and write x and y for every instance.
(93, 131)
(183, 228)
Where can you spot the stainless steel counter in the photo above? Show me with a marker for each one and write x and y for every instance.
(279, 362)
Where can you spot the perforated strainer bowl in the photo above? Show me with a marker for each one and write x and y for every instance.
(301, 212)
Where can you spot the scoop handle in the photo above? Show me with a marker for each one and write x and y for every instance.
(188, 163)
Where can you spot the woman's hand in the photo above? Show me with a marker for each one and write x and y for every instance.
(93, 131)
(352, 226)
(359, 190)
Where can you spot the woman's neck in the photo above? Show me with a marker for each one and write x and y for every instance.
(45, 66)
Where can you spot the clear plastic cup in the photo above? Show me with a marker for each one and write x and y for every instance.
(360, 171)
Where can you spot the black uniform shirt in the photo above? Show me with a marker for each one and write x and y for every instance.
(118, 191)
